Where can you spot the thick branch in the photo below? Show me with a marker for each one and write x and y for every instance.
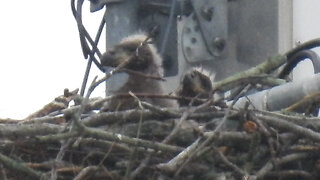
(19, 167)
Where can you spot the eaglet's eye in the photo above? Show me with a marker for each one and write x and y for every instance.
(131, 49)
(192, 75)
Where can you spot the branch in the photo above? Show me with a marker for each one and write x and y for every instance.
(19, 167)
(96, 133)
(289, 126)
(264, 68)
(280, 161)
(114, 137)
(27, 130)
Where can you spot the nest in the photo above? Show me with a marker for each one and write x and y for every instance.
(202, 142)
(212, 141)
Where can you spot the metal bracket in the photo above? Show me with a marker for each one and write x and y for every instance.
(212, 17)
(193, 45)
(206, 30)
(96, 5)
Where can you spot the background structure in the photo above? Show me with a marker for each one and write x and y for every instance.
(41, 53)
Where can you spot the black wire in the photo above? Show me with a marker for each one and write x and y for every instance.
(78, 15)
(167, 32)
(84, 32)
(96, 41)
(294, 59)
(307, 45)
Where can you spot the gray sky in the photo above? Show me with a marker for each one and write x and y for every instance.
(40, 53)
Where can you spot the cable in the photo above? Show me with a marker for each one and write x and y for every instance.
(299, 56)
(167, 32)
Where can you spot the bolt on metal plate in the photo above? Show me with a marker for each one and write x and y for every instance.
(212, 16)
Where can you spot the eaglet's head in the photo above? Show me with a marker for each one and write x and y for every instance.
(196, 81)
(142, 55)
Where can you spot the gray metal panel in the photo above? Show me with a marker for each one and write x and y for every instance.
(133, 16)
(253, 36)
(212, 16)
(253, 33)
(121, 21)
(149, 18)
(257, 30)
